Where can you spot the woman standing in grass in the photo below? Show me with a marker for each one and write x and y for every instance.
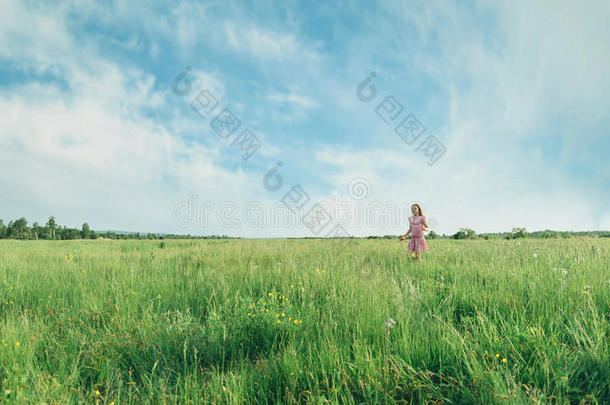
(417, 226)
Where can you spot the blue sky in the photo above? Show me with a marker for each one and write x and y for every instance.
(90, 129)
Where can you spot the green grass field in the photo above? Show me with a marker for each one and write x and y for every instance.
(302, 321)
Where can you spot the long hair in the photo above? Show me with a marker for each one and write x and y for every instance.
(421, 212)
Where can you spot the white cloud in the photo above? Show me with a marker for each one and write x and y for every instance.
(267, 44)
(89, 154)
(301, 101)
(485, 197)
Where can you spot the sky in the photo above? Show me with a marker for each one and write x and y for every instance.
(489, 114)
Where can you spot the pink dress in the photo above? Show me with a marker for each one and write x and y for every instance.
(417, 242)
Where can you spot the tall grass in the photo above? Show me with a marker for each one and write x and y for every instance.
(298, 321)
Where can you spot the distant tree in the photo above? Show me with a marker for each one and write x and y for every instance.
(36, 230)
(464, 233)
(432, 235)
(566, 235)
(51, 226)
(66, 233)
(547, 234)
(518, 233)
(18, 229)
(2, 229)
(85, 232)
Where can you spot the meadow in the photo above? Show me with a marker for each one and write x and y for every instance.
(304, 321)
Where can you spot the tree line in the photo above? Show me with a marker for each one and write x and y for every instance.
(516, 233)
(19, 229)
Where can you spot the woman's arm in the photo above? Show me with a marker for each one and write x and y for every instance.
(407, 234)
(426, 228)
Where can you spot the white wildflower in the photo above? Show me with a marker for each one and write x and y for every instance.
(389, 323)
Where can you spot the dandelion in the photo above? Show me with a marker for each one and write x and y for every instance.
(283, 314)
(291, 285)
(266, 309)
(278, 321)
(504, 360)
(564, 271)
(296, 322)
(290, 318)
(269, 294)
(300, 283)
(389, 323)
(97, 393)
(535, 255)
(17, 344)
(497, 355)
